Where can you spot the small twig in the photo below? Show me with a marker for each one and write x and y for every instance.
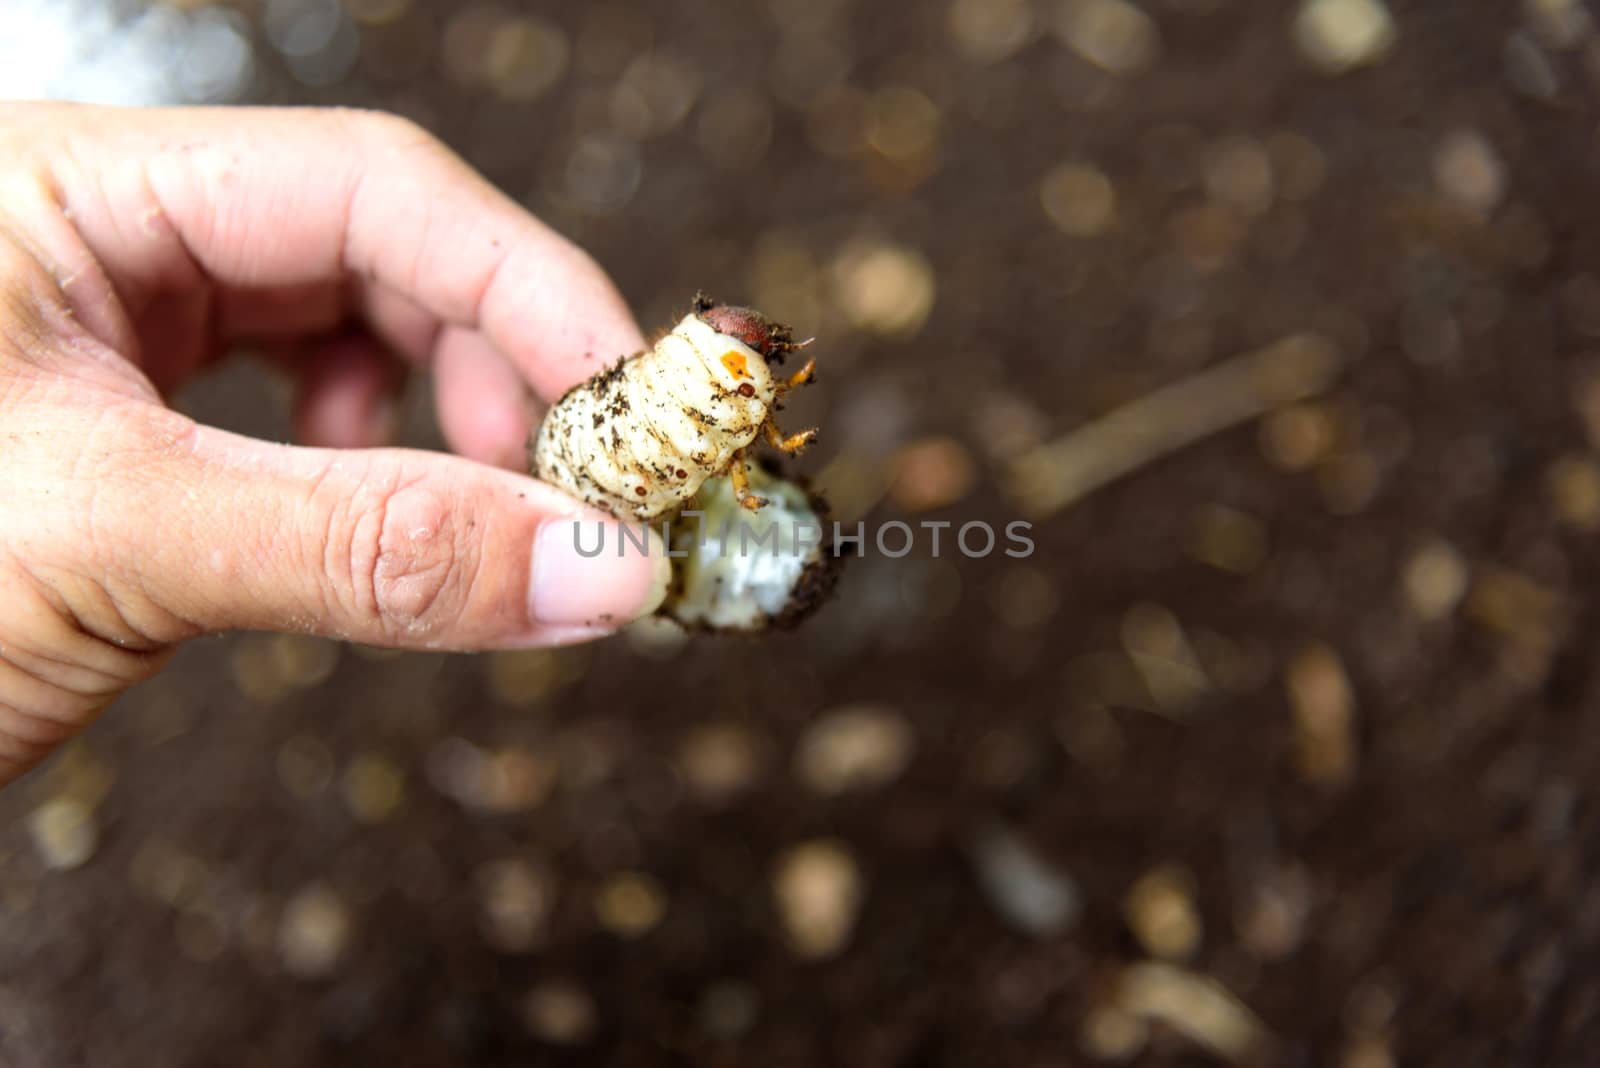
(1050, 477)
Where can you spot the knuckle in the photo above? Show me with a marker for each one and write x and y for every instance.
(394, 132)
(412, 555)
(30, 733)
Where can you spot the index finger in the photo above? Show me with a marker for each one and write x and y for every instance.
(274, 197)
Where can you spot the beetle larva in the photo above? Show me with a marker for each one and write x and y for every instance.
(746, 571)
(640, 438)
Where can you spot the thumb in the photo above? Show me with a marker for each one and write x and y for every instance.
(383, 546)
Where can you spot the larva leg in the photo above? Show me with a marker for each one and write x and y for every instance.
(794, 443)
(800, 377)
(740, 476)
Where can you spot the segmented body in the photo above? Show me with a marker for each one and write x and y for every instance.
(638, 440)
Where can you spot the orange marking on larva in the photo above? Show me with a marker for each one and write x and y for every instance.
(738, 364)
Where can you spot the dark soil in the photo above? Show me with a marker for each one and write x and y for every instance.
(1427, 896)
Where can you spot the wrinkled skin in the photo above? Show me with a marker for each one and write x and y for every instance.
(136, 248)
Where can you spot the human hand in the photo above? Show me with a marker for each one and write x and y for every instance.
(136, 246)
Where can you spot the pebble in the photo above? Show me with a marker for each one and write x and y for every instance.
(631, 904)
(515, 899)
(1114, 35)
(1208, 235)
(526, 56)
(1573, 483)
(1239, 174)
(1349, 481)
(495, 782)
(464, 43)
(1324, 715)
(1154, 639)
(602, 173)
(818, 890)
(1469, 173)
(1529, 69)
(1299, 166)
(1368, 1051)
(1024, 597)
(374, 788)
(1435, 580)
(65, 833)
(313, 932)
(268, 668)
(884, 288)
(523, 677)
(930, 473)
(1513, 604)
(304, 661)
(1272, 923)
(855, 748)
(305, 766)
(719, 761)
(1080, 199)
(988, 31)
(560, 1012)
(902, 124)
(1227, 539)
(1339, 35)
(1559, 24)
(169, 875)
(1160, 910)
(653, 96)
(1195, 1006)
(1028, 892)
(1299, 436)
(728, 1010)
(1111, 1033)
(376, 12)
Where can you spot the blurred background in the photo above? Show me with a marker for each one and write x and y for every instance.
(1279, 320)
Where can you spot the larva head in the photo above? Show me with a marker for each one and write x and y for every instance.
(773, 340)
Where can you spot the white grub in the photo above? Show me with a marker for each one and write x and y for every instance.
(664, 435)
(597, 442)
(745, 570)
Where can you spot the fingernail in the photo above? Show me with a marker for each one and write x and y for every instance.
(588, 572)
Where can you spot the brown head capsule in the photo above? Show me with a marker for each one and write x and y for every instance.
(773, 340)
